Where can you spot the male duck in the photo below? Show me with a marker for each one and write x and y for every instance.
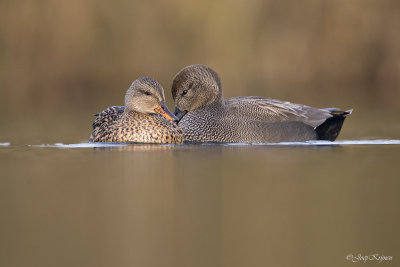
(206, 117)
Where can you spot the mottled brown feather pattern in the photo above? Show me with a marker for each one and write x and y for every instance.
(137, 120)
(112, 125)
(109, 114)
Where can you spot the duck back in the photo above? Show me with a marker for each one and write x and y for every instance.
(260, 120)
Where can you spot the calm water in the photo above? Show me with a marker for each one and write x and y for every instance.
(302, 204)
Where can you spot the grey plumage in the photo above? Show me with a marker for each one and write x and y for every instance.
(197, 91)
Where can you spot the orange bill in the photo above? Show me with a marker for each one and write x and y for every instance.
(163, 110)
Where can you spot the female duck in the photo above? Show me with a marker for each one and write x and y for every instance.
(197, 92)
(137, 121)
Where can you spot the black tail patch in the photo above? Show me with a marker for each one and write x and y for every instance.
(330, 129)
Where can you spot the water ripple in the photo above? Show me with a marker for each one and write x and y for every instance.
(340, 142)
(82, 145)
(307, 143)
(5, 144)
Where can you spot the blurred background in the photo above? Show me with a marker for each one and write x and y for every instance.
(61, 62)
(194, 205)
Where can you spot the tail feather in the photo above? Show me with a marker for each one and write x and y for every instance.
(330, 129)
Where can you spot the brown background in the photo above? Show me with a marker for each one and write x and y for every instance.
(71, 59)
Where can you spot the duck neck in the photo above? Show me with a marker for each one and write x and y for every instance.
(218, 103)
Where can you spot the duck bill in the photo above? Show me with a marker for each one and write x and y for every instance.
(163, 110)
(180, 113)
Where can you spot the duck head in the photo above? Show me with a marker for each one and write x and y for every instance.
(194, 87)
(145, 95)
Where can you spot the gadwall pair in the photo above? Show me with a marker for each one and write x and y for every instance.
(206, 117)
(138, 120)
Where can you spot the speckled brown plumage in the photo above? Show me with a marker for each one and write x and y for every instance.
(106, 116)
(126, 124)
(197, 92)
(136, 127)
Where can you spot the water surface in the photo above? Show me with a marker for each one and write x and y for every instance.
(301, 204)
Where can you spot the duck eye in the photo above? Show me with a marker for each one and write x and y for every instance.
(184, 92)
(147, 93)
